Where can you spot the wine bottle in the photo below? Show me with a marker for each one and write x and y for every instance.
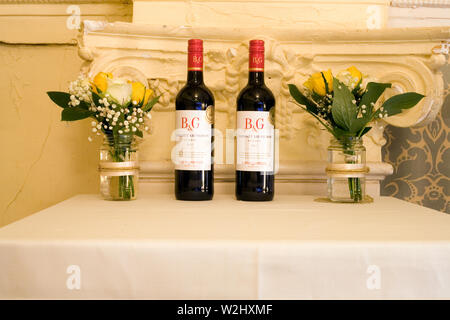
(255, 136)
(194, 126)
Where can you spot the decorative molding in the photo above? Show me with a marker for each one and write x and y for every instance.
(413, 66)
(409, 58)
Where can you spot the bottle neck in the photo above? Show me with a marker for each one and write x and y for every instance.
(195, 77)
(195, 67)
(256, 78)
(256, 67)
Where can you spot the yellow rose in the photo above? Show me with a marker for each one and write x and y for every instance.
(148, 94)
(101, 81)
(350, 77)
(139, 93)
(355, 73)
(316, 82)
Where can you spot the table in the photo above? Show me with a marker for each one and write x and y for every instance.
(291, 248)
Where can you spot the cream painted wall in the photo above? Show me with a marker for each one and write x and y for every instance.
(44, 160)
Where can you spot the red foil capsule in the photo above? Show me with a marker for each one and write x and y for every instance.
(256, 56)
(195, 55)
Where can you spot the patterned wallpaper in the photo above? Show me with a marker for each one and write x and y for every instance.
(421, 160)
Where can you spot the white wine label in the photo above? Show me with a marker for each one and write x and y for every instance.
(193, 136)
(255, 138)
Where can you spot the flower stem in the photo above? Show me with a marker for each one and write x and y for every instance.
(354, 184)
(120, 152)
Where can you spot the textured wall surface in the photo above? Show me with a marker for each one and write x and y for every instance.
(43, 160)
(421, 160)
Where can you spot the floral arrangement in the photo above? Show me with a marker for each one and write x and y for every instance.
(346, 105)
(119, 108)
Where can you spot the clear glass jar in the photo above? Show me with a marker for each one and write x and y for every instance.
(346, 170)
(119, 168)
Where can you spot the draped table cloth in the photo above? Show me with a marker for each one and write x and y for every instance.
(291, 248)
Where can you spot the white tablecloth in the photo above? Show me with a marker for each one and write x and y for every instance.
(291, 248)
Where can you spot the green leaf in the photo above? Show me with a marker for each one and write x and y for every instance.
(364, 131)
(301, 99)
(357, 88)
(95, 98)
(316, 97)
(75, 113)
(119, 120)
(150, 104)
(373, 91)
(396, 104)
(339, 133)
(139, 133)
(344, 111)
(327, 87)
(321, 121)
(62, 99)
(83, 105)
(358, 124)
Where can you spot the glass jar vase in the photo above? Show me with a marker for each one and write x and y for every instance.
(119, 168)
(346, 170)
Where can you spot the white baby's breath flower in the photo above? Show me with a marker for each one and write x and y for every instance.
(346, 78)
(80, 89)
